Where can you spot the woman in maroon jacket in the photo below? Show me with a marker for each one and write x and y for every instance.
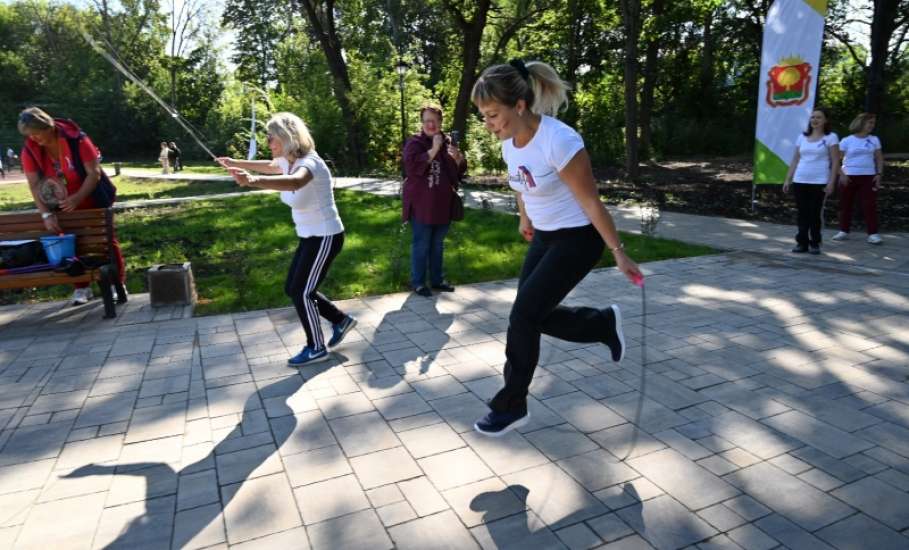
(433, 166)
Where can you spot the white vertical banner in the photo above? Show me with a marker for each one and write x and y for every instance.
(251, 155)
(790, 63)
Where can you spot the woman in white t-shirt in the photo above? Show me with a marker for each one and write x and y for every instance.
(863, 164)
(304, 181)
(563, 218)
(812, 176)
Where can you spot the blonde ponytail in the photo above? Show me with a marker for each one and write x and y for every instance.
(537, 83)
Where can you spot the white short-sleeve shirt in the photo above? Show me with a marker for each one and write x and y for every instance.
(533, 171)
(814, 159)
(858, 155)
(313, 205)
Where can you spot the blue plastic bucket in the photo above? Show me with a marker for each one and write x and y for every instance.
(58, 248)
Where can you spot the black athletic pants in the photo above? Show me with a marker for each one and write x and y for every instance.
(310, 264)
(809, 200)
(555, 263)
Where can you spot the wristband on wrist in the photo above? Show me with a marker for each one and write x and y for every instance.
(45, 215)
(620, 247)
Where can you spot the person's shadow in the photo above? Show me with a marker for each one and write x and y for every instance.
(153, 524)
(418, 329)
(506, 517)
(508, 521)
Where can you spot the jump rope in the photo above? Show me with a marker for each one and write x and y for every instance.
(121, 66)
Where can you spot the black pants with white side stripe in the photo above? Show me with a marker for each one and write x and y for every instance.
(555, 263)
(311, 262)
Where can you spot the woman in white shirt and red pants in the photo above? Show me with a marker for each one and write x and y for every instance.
(863, 164)
(812, 175)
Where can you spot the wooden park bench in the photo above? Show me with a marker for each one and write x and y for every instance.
(94, 230)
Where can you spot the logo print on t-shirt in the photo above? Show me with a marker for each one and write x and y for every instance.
(435, 172)
(526, 177)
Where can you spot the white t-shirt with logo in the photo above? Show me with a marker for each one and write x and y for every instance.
(814, 159)
(313, 205)
(858, 155)
(533, 171)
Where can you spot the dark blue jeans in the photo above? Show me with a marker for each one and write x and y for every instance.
(427, 247)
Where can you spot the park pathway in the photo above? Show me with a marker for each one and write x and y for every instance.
(774, 413)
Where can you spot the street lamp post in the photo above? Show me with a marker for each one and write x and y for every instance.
(401, 68)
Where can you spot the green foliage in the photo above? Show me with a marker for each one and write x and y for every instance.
(705, 74)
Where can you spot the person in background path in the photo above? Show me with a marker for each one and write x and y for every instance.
(2, 172)
(434, 166)
(304, 181)
(174, 156)
(10, 158)
(863, 166)
(562, 216)
(164, 158)
(812, 176)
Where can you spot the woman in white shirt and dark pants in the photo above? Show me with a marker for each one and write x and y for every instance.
(305, 184)
(863, 164)
(812, 175)
(563, 218)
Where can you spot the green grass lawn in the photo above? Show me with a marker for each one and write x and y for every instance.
(17, 196)
(241, 248)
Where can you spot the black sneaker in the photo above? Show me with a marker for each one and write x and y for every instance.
(444, 287)
(497, 424)
(616, 338)
(423, 291)
(814, 250)
(800, 249)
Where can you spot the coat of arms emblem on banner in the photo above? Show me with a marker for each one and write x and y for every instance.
(788, 82)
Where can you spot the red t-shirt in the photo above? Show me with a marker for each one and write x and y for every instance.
(50, 166)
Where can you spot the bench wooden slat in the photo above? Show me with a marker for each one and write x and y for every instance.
(76, 215)
(46, 278)
(93, 225)
(36, 235)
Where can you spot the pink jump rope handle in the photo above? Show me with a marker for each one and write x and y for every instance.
(638, 280)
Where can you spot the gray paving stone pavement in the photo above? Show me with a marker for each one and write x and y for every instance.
(775, 414)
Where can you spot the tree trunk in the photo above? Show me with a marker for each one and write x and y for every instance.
(472, 31)
(631, 15)
(326, 33)
(573, 61)
(651, 71)
(706, 76)
(883, 24)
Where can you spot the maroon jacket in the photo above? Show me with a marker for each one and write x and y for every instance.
(429, 184)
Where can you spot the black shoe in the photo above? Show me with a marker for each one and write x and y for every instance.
(497, 424)
(800, 249)
(616, 337)
(815, 250)
(423, 291)
(444, 287)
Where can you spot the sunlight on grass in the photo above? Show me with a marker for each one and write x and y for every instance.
(241, 249)
(17, 196)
